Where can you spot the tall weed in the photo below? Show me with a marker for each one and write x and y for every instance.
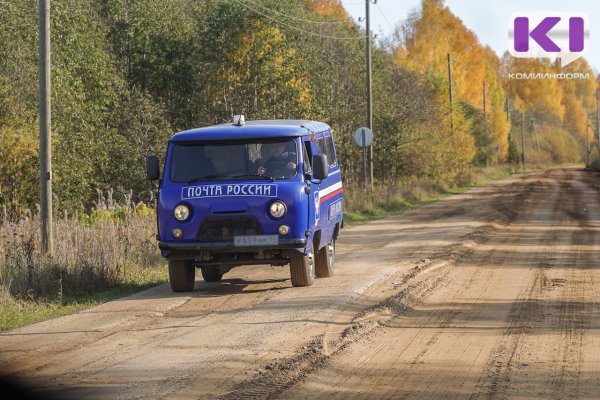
(92, 252)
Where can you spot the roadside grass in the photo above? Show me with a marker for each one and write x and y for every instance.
(17, 311)
(109, 253)
(364, 205)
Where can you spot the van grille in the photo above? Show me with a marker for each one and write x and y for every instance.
(217, 229)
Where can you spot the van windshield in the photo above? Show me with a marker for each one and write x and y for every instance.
(249, 159)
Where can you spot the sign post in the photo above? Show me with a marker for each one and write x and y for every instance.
(364, 160)
(363, 137)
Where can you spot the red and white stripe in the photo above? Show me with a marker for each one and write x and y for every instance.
(330, 191)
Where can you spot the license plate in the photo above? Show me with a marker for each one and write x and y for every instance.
(255, 240)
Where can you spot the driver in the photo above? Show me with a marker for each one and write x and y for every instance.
(279, 158)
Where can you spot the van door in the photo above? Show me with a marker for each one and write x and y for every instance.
(313, 188)
(323, 224)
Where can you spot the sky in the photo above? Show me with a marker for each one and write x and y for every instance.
(488, 19)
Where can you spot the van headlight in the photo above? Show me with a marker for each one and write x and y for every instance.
(181, 212)
(278, 209)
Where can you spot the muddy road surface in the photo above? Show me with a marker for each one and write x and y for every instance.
(491, 294)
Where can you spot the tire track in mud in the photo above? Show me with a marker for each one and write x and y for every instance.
(124, 332)
(498, 254)
(519, 317)
(572, 316)
(525, 309)
(508, 364)
(414, 286)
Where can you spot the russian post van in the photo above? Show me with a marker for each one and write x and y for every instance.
(249, 193)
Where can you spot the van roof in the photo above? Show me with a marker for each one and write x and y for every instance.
(254, 129)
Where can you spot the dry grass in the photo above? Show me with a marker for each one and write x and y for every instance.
(392, 195)
(389, 198)
(91, 253)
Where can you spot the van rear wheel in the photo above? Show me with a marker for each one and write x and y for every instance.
(182, 275)
(211, 274)
(324, 261)
(302, 269)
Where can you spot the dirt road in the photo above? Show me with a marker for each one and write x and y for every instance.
(491, 294)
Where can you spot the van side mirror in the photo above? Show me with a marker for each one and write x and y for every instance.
(152, 168)
(320, 166)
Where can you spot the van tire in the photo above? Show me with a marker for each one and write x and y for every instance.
(182, 275)
(324, 262)
(211, 274)
(302, 269)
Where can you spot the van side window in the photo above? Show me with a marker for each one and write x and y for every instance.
(330, 151)
(306, 154)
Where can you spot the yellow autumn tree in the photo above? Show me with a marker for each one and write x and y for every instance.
(542, 96)
(499, 125)
(255, 70)
(428, 40)
(578, 97)
(331, 8)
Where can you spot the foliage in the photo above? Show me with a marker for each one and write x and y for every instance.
(427, 39)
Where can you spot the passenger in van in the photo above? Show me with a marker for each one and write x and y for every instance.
(280, 162)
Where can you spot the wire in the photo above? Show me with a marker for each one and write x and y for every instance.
(384, 17)
(296, 18)
(298, 29)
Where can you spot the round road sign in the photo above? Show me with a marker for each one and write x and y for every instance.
(363, 137)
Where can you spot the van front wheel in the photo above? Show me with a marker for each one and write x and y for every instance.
(182, 275)
(325, 260)
(302, 269)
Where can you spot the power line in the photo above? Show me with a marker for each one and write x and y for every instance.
(296, 18)
(384, 17)
(296, 28)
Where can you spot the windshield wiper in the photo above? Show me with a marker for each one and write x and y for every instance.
(204, 177)
(251, 176)
(229, 176)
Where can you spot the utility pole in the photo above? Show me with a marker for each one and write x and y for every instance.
(484, 110)
(45, 131)
(484, 118)
(598, 119)
(450, 91)
(369, 83)
(587, 142)
(508, 104)
(532, 130)
(522, 141)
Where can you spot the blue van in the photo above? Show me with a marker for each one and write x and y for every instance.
(249, 193)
